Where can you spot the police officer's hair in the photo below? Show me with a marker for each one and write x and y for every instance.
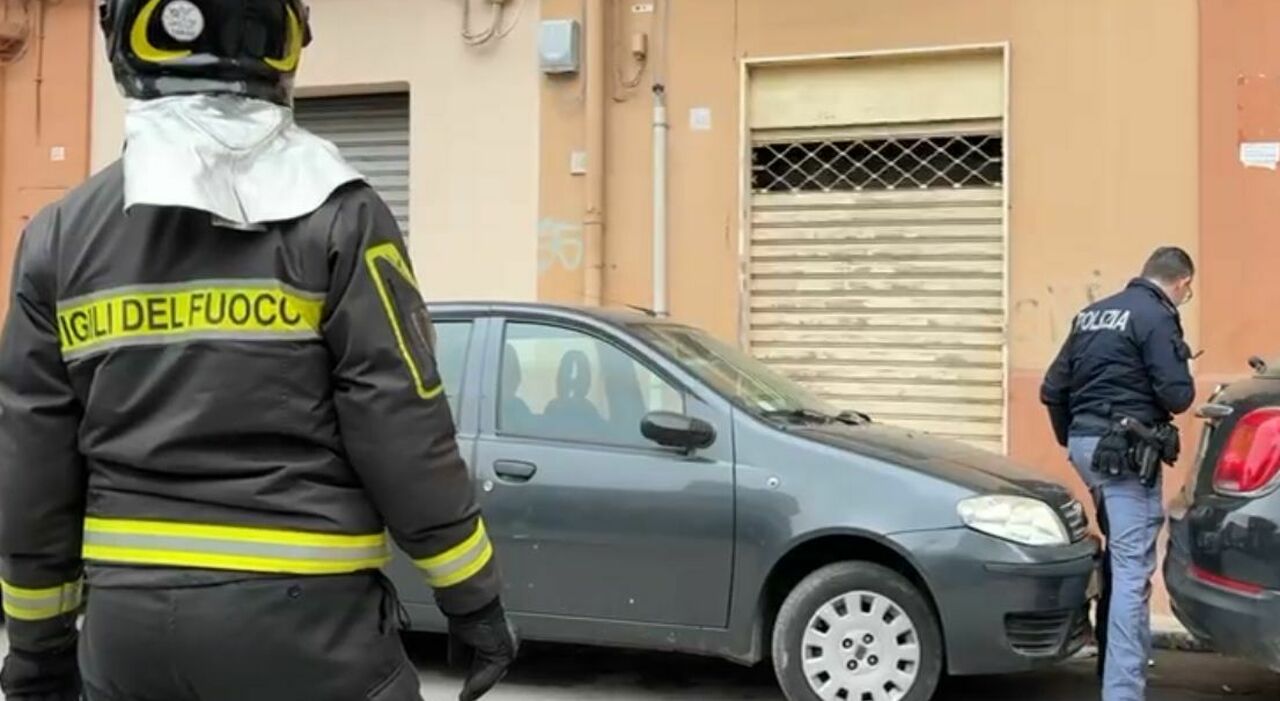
(1169, 264)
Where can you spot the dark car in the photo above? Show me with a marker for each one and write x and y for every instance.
(1223, 564)
(648, 486)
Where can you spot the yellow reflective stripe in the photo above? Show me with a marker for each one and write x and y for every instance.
(465, 573)
(230, 310)
(238, 563)
(40, 604)
(142, 46)
(236, 548)
(389, 253)
(459, 563)
(236, 533)
(293, 52)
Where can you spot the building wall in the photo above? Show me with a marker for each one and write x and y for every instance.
(44, 118)
(1102, 154)
(1240, 101)
(474, 128)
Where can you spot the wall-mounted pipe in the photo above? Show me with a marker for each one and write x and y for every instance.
(593, 221)
(660, 129)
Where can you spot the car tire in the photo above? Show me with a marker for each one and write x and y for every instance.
(859, 650)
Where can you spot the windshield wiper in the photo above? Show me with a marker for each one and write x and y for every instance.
(799, 415)
(852, 418)
(855, 418)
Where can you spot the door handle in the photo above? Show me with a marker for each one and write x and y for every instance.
(514, 470)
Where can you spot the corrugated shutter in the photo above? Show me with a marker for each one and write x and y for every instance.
(888, 302)
(877, 245)
(372, 131)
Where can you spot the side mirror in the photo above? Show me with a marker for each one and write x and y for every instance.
(677, 431)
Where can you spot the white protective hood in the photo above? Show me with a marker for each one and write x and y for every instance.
(244, 161)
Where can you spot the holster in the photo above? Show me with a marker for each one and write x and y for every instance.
(1150, 446)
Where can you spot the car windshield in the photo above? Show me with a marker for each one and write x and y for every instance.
(743, 379)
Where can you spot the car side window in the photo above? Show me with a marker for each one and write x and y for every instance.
(452, 346)
(562, 384)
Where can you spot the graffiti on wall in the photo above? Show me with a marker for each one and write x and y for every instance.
(559, 245)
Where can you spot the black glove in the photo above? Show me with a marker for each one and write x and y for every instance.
(485, 643)
(41, 676)
(1111, 457)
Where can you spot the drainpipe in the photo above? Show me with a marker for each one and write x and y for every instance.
(660, 128)
(593, 221)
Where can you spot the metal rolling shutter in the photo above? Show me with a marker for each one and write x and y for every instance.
(372, 132)
(877, 246)
(889, 302)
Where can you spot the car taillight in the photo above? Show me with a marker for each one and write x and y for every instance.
(1251, 457)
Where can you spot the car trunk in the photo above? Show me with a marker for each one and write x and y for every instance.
(1232, 536)
(1241, 398)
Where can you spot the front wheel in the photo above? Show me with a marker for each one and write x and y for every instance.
(856, 631)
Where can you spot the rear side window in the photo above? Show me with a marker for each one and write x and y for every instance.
(453, 347)
(562, 384)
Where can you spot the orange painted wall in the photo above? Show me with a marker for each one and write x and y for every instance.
(44, 105)
(1239, 219)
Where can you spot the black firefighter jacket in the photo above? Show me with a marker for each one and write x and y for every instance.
(178, 397)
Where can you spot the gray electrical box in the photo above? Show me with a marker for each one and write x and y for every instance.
(558, 42)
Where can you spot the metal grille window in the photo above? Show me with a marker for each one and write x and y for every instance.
(884, 163)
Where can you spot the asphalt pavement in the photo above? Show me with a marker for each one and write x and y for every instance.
(565, 673)
(561, 673)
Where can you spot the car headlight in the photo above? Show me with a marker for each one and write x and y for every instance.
(1018, 519)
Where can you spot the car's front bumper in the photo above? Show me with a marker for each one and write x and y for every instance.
(1006, 607)
(1236, 624)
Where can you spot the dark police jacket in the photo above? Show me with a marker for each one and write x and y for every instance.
(176, 397)
(1126, 356)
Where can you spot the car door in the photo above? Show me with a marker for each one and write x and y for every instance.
(589, 518)
(459, 359)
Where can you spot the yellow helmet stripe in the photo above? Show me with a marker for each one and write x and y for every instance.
(142, 46)
(293, 53)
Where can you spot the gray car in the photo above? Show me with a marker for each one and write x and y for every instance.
(648, 486)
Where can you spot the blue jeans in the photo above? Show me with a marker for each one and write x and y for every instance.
(1133, 516)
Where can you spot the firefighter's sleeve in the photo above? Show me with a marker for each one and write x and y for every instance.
(395, 422)
(42, 473)
(1055, 393)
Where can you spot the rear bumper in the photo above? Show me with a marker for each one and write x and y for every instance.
(1235, 624)
(1004, 607)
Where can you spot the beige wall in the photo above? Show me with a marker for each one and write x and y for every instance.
(474, 130)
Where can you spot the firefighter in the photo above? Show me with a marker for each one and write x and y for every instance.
(218, 396)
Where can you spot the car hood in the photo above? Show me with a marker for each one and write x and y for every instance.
(952, 461)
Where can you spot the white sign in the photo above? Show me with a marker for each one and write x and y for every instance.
(700, 119)
(58, 154)
(1260, 154)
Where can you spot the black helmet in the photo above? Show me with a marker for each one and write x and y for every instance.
(160, 48)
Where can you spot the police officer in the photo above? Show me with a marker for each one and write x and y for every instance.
(218, 395)
(1125, 357)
